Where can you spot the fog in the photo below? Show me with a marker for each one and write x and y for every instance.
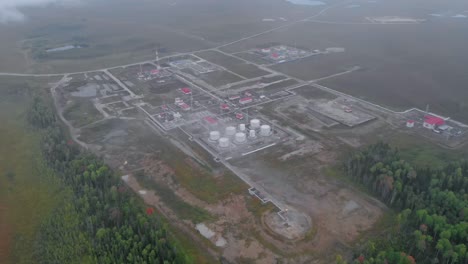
(10, 9)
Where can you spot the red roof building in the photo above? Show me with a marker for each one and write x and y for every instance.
(245, 100)
(431, 122)
(210, 120)
(154, 72)
(225, 106)
(186, 90)
(234, 97)
(184, 106)
(410, 123)
(239, 116)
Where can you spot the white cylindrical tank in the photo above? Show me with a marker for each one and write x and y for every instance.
(242, 127)
(214, 135)
(254, 123)
(252, 134)
(230, 131)
(224, 142)
(265, 130)
(240, 137)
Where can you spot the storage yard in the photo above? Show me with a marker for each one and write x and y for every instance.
(228, 136)
(341, 110)
(281, 54)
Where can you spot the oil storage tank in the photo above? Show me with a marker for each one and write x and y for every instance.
(252, 134)
(230, 131)
(240, 137)
(214, 135)
(224, 142)
(254, 123)
(265, 130)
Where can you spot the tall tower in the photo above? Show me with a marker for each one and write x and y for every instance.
(157, 59)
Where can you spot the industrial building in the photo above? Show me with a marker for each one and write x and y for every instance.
(432, 122)
(210, 120)
(410, 123)
(224, 107)
(245, 100)
(186, 90)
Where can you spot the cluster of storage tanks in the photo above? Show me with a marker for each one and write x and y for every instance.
(240, 134)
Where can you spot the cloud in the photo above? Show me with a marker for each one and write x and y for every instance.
(9, 9)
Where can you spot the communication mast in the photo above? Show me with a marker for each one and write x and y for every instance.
(157, 59)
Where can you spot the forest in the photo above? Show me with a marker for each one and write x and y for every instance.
(102, 221)
(432, 221)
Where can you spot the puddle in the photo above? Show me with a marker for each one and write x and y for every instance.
(209, 234)
(89, 90)
(115, 133)
(350, 207)
(205, 231)
(63, 48)
(221, 242)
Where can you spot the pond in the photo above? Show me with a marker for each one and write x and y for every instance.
(89, 90)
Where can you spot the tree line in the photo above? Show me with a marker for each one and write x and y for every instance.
(102, 221)
(432, 223)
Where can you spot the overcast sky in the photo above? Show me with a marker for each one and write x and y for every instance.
(9, 11)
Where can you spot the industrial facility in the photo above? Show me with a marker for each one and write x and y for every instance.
(282, 53)
(226, 137)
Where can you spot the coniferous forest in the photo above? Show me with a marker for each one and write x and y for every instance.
(432, 206)
(102, 221)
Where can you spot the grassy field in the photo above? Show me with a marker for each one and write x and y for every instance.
(182, 209)
(81, 112)
(315, 67)
(211, 182)
(28, 189)
(422, 153)
(233, 64)
(120, 31)
(219, 78)
(203, 184)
